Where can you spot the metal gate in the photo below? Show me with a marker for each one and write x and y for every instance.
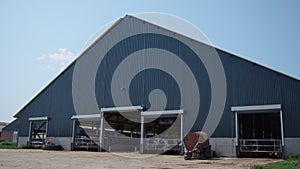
(259, 130)
(38, 128)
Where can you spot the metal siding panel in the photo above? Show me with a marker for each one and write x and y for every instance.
(251, 84)
(54, 102)
(247, 84)
(111, 61)
(290, 96)
(61, 108)
(13, 126)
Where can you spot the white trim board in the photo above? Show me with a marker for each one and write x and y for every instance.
(88, 116)
(163, 112)
(256, 107)
(38, 118)
(122, 109)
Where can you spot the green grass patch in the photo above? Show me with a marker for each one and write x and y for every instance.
(23, 146)
(8, 145)
(293, 162)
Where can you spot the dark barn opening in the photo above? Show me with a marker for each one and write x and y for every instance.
(259, 134)
(86, 135)
(38, 128)
(121, 134)
(162, 135)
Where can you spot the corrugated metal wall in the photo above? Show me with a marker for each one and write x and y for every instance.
(252, 84)
(247, 83)
(55, 102)
(13, 126)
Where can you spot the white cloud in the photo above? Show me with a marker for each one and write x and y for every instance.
(42, 57)
(58, 59)
(62, 55)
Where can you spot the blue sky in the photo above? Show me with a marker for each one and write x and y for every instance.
(39, 38)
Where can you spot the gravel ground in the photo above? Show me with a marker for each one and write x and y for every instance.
(34, 159)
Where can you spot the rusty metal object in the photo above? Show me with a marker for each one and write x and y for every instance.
(197, 144)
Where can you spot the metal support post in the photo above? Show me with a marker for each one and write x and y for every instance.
(181, 147)
(29, 134)
(142, 135)
(236, 134)
(101, 131)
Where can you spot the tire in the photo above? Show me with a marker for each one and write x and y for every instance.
(188, 156)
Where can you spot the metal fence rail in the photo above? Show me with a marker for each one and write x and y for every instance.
(37, 142)
(260, 145)
(159, 144)
(86, 143)
(120, 143)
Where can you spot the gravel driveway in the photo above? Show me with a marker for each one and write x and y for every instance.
(34, 159)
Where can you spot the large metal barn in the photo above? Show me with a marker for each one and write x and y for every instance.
(142, 87)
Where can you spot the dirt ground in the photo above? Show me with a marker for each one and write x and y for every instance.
(34, 159)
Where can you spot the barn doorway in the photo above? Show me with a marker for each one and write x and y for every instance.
(86, 132)
(121, 129)
(162, 132)
(38, 128)
(259, 131)
(129, 129)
